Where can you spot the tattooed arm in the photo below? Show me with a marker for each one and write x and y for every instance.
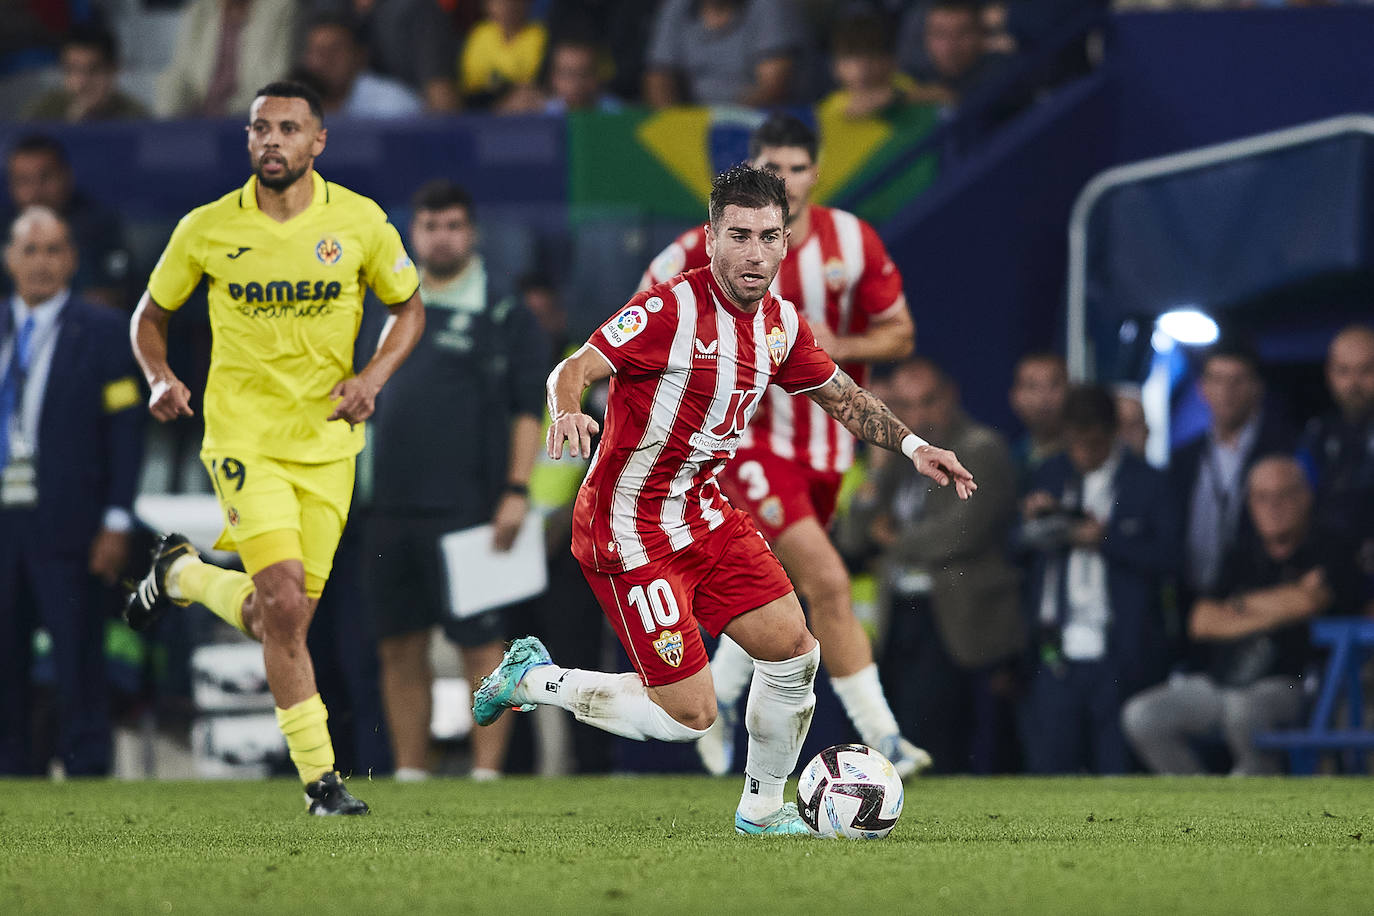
(868, 418)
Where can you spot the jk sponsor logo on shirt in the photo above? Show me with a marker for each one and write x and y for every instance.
(625, 326)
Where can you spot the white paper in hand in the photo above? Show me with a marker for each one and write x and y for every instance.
(481, 578)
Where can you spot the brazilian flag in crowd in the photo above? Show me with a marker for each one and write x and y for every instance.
(665, 159)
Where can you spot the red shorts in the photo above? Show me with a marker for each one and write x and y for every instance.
(779, 492)
(655, 608)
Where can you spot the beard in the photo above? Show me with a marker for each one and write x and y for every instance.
(286, 179)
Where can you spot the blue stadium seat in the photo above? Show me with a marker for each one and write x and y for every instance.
(1351, 641)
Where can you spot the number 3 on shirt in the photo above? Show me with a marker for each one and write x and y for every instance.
(656, 605)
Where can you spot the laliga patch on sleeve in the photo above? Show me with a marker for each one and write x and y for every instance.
(623, 327)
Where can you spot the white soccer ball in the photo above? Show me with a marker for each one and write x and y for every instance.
(850, 790)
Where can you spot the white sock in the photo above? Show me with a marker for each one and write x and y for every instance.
(615, 703)
(862, 697)
(781, 701)
(174, 576)
(731, 669)
(411, 774)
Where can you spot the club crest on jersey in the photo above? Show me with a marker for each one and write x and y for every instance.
(834, 274)
(777, 345)
(669, 647)
(329, 251)
(233, 517)
(770, 510)
(625, 326)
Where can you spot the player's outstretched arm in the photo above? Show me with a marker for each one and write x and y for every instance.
(170, 398)
(356, 397)
(567, 382)
(863, 414)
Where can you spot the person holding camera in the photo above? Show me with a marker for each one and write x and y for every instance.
(1104, 534)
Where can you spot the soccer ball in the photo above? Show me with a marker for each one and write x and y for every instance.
(850, 790)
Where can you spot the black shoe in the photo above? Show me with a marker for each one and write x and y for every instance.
(148, 601)
(327, 796)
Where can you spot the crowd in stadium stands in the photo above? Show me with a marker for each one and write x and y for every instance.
(1084, 611)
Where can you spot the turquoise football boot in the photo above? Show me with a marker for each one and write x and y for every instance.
(783, 822)
(493, 696)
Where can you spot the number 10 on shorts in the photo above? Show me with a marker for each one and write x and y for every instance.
(656, 605)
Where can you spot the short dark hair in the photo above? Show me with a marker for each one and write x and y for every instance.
(96, 36)
(344, 21)
(863, 35)
(41, 143)
(972, 7)
(441, 194)
(747, 187)
(1090, 406)
(782, 130)
(1234, 348)
(294, 89)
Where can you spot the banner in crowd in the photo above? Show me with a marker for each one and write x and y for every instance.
(659, 164)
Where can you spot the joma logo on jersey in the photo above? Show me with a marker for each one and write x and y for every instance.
(328, 250)
(285, 291)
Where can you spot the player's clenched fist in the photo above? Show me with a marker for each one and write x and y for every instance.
(170, 399)
(577, 429)
(356, 397)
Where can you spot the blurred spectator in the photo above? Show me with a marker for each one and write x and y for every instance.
(954, 629)
(225, 50)
(39, 175)
(90, 82)
(1132, 429)
(574, 84)
(481, 364)
(413, 41)
(1105, 532)
(70, 448)
(1338, 451)
(502, 52)
(334, 60)
(1208, 474)
(955, 58)
(723, 52)
(540, 296)
(1254, 627)
(1039, 384)
(622, 27)
(865, 69)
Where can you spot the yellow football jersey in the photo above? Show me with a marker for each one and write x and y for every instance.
(286, 300)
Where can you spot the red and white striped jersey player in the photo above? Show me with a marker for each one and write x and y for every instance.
(663, 551)
(792, 459)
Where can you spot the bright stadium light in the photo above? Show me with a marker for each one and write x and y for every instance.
(1189, 326)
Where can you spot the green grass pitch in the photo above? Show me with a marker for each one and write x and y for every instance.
(657, 845)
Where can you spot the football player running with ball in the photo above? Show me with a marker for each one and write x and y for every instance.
(793, 457)
(288, 257)
(660, 546)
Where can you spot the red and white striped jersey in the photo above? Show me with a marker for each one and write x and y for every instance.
(690, 370)
(842, 276)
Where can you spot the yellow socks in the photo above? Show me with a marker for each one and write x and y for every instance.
(223, 591)
(306, 728)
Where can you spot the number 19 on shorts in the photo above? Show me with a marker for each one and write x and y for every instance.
(656, 605)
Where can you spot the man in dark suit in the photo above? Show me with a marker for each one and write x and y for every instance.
(70, 451)
(1207, 475)
(954, 630)
(1105, 533)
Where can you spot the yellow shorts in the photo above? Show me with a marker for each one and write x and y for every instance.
(282, 510)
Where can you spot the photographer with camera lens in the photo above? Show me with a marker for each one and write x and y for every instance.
(1104, 533)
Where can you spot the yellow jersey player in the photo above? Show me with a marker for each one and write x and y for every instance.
(287, 257)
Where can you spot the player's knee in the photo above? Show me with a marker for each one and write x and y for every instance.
(284, 615)
(1138, 719)
(696, 714)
